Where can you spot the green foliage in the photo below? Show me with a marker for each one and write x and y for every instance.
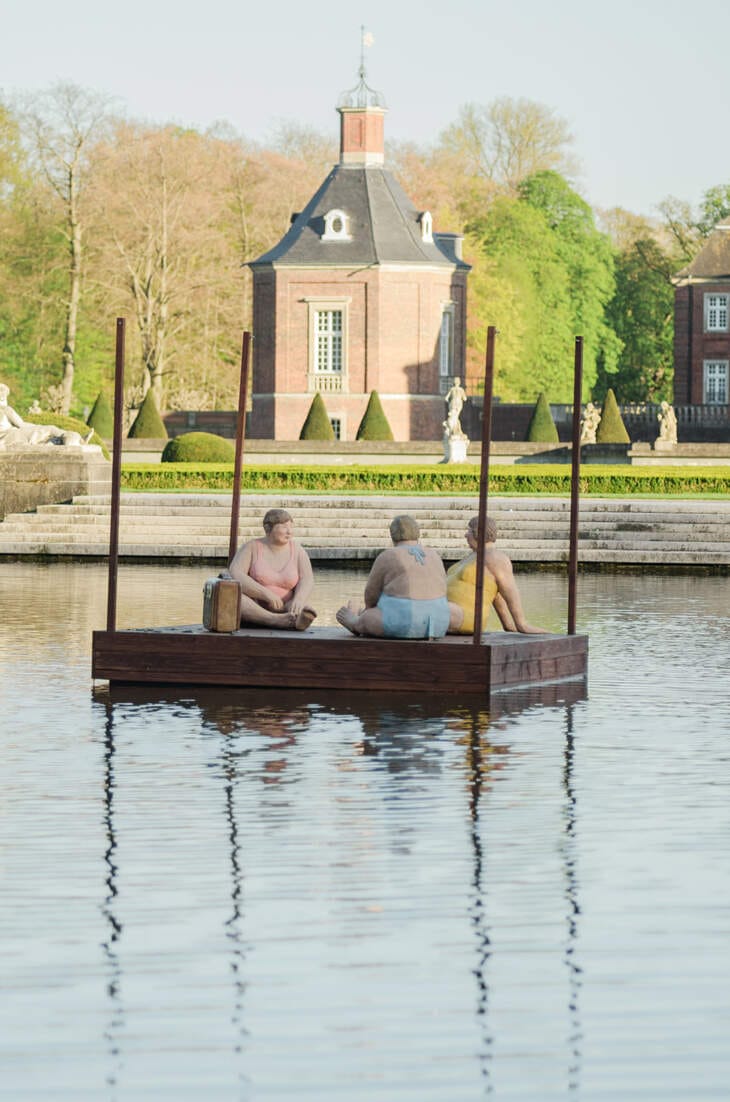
(374, 424)
(198, 447)
(317, 425)
(542, 427)
(68, 424)
(101, 417)
(540, 478)
(714, 207)
(611, 429)
(547, 276)
(641, 313)
(148, 425)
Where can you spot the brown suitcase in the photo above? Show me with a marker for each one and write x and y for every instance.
(221, 604)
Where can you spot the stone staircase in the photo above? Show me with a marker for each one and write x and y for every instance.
(196, 526)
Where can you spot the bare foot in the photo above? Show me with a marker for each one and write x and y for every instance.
(305, 618)
(347, 617)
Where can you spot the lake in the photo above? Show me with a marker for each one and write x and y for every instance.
(230, 894)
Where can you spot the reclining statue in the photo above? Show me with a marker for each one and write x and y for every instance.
(15, 432)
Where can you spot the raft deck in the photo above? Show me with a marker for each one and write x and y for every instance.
(331, 658)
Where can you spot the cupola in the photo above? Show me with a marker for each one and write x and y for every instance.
(362, 111)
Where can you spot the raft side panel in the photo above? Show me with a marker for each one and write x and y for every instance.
(327, 658)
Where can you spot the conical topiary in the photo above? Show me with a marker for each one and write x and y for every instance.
(148, 424)
(611, 429)
(374, 424)
(317, 425)
(101, 418)
(542, 427)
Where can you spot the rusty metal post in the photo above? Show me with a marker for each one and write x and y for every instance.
(484, 480)
(575, 485)
(111, 605)
(240, 437)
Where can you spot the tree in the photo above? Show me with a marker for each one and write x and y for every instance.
(509, 139)
(588, 259)
(374, 424)
(61, 124)
(317, 425)
(166, 245)
(542, 427)
(611, 429)
(641, 313)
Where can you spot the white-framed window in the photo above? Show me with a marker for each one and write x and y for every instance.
(328, 337)
(446, 340)
(716, 313)
(336, 226)
(327, 366)
(336, 423)
(426, 220)
(715, 383)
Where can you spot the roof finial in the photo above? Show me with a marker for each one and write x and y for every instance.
(362, 95)
(366, 40)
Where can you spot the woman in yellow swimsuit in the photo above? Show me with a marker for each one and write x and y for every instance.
(500, 588)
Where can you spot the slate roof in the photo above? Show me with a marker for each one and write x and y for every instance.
(382, 223)
(713, 259)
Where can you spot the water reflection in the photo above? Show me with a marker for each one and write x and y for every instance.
(569, 852)
(256, 734)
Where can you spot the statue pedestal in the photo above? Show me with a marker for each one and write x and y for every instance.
(661, 445)
(455, 448)
(50, 474)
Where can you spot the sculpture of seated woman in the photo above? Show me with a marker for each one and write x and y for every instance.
(499, 590)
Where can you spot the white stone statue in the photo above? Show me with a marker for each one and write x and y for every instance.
(455, 399)
(667, 425)
(589, 423)
(15, 432)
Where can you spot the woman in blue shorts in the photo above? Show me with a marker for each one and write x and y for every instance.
(405, 594)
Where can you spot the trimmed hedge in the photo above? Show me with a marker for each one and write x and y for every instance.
(148, 425)
(317, 425)
(68, 424)
(541, 428)
(374, 424)
(611, 429)
(198, 447)
(540, 478)
(101, 417)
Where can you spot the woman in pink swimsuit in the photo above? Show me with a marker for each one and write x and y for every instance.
(275, 576)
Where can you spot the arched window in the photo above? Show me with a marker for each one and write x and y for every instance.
(335, 226)
(426, 221)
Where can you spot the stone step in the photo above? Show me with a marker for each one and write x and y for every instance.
(192, 525)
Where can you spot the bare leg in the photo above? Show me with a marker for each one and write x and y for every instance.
(367, 622)
(456, 618)
(253, 613)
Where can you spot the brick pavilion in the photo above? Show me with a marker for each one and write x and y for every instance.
(361, 294)
(702, 324)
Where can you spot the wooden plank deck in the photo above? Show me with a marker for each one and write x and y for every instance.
(331, 658)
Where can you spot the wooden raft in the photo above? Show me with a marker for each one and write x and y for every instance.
(330, 658)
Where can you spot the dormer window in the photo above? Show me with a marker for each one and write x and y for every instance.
(335, 226)
(426, 221)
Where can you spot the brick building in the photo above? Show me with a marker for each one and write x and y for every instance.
(360, 294)
(702, 324)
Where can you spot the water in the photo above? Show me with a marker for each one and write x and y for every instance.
(236, 895)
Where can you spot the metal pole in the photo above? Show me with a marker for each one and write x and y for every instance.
(240, 437)
(575, 485)
(484, 480)
(111, 606)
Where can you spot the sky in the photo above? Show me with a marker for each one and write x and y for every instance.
(642, 84)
